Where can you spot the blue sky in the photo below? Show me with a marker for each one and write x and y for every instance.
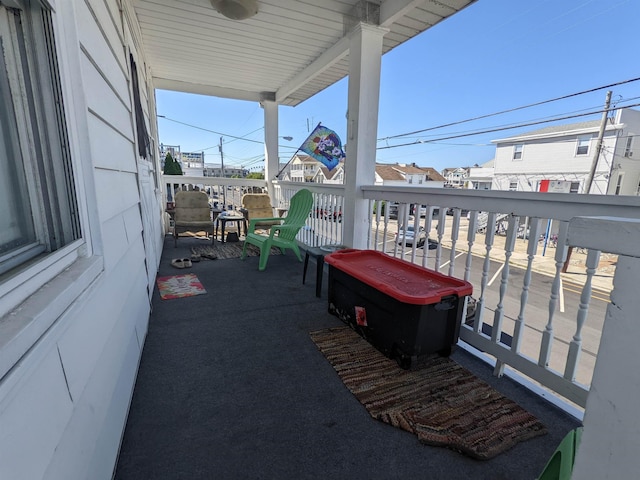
(493, 56)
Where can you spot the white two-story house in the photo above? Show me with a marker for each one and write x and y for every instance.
(401, 174)
(560, 158)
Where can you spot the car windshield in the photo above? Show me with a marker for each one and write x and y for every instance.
(409, 232)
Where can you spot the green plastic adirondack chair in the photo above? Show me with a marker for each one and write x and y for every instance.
(560, 465)
(282, 236)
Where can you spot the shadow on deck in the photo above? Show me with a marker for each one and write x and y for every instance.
(231, 386)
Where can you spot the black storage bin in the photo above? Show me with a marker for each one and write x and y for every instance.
(404, 310)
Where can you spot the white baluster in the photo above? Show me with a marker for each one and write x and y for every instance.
(490, 231)
(498, 316)
(385, 232)
(575, 347)
(455, 230)
(427, 226)
(440, 230)
(547, 334)
(532, 248)
(471, 237)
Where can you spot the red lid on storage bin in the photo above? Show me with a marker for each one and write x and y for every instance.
(402, 280)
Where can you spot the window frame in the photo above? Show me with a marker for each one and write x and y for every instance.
(580, 143)
(518, 151)
(513, 188)
(619, 183)
(627, 149)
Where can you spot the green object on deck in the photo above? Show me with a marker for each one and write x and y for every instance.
(282, 236)
(560, 466)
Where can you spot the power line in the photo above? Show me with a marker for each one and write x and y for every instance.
(212, 131)
(513, 109)
(497, 129)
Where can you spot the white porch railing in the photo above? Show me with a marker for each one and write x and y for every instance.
(324, 225)
(530, 317)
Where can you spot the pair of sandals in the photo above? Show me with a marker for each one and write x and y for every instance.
(188, 262)
(181, 263)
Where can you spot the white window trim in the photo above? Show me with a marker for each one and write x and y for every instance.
(619, 183)
(515, 151)
(586, 138)
(35, 296)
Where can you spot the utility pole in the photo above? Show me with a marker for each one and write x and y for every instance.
(224, 198)
(596, 154)
(594, 164)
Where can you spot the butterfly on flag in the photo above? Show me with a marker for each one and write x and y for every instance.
(325, 146)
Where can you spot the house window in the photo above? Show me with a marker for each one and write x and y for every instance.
(513, 186)
(517, 151)
(37, 192)
(583, 145)
(619, 182)
(627, 149)
(575, 187)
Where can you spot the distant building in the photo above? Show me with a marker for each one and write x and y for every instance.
(559, 158)
(455, 177)
(480, 177)
(215, 170)
(403, 174)
(174, 150)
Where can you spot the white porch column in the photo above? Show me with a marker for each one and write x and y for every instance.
(271, 161)
(611, 437)
(365, 51)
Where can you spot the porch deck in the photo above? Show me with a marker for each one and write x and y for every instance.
(231, 386)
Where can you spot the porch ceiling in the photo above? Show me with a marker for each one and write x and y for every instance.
(288, 52)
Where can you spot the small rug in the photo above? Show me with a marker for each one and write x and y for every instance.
(229, 250)
(178, 286)
(441, 402)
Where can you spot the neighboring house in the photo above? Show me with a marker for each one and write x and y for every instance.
(323, 175)
(559, 158)
(455, 177)
(481, 176)
(402, 174)
(302, 168)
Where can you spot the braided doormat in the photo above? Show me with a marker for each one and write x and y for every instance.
(229, 250)
(442, 403)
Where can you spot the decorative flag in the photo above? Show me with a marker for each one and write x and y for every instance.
(325, 146)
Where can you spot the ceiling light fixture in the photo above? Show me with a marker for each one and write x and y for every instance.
(236, 9)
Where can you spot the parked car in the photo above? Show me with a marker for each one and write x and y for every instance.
(408, 236)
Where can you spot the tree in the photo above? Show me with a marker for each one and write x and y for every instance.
(258, 175)
(171, 167)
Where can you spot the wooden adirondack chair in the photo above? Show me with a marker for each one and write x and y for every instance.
(282, 236)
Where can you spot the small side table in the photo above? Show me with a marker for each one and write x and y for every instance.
(318, 254)
(223, 218)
